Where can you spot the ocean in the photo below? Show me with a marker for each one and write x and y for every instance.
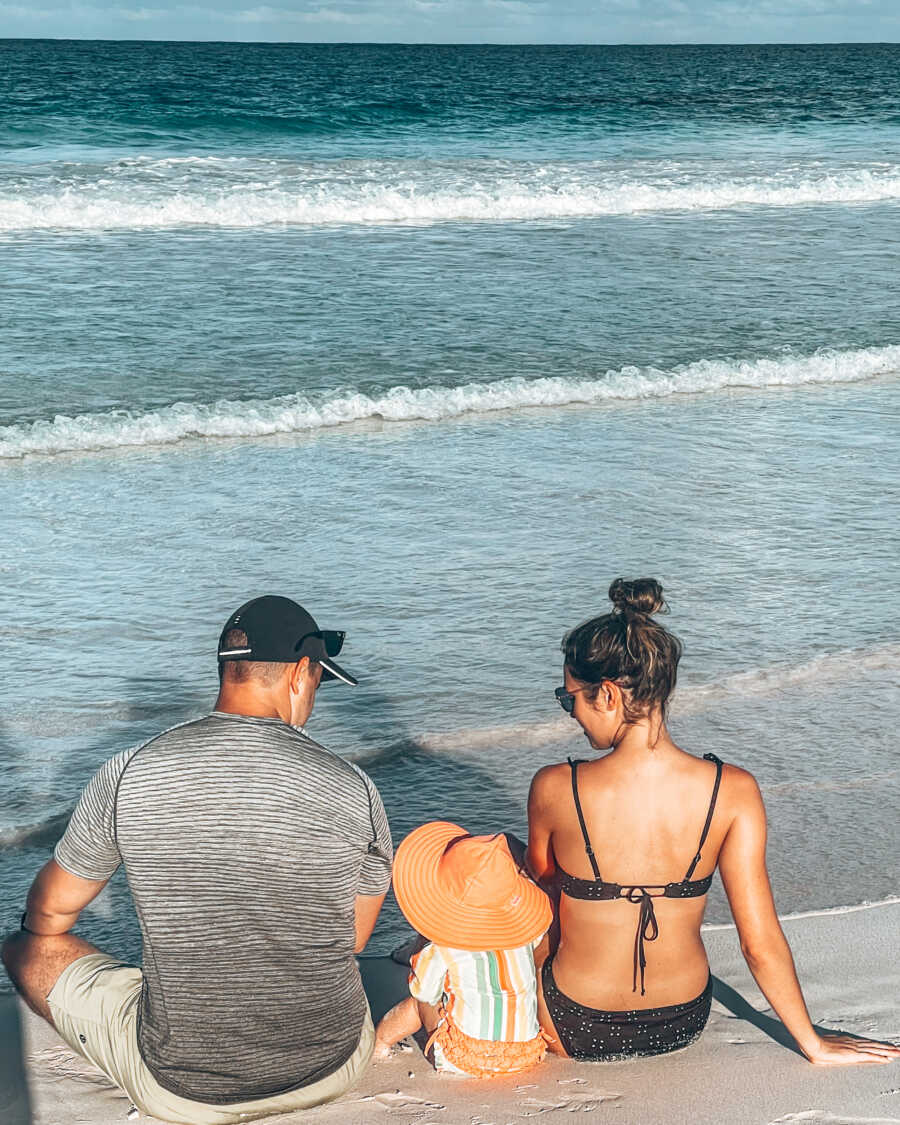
(439, 341)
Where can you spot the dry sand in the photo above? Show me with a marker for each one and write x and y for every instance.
(737, 1074)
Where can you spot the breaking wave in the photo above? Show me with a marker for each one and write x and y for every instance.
(172, 194)
(37, 835)
(298, 413)
(689, 699)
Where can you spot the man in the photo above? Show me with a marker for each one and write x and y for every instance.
(258, 863)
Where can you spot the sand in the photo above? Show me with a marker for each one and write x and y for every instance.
(739, 1073)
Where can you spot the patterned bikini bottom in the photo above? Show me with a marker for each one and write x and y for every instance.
(588, 1033)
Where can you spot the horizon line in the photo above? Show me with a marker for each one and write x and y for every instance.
(442, 43)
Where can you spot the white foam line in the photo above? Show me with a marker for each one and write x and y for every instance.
(825, 912)
(486, 738)
(777, 677)
(691, 698)
(297, 413)
(148, 204)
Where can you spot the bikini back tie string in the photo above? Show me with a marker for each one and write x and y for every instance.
(647, 929)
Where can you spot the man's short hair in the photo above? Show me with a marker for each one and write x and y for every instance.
(261, 672)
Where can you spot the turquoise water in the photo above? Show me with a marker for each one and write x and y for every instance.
(439, 341)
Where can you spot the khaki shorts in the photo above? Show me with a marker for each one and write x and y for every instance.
(94, 1006)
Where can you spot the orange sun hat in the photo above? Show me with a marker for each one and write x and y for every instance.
(465, 891)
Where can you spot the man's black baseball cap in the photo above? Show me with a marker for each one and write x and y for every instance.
(281, 632)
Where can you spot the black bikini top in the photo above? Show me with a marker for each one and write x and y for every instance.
(596, 888)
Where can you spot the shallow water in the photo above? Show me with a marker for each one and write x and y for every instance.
(456, 555)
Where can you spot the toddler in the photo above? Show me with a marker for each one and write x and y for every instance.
(473, 986)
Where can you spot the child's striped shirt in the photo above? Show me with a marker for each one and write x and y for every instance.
(490, 995)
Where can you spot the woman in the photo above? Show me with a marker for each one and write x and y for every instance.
(630, 975)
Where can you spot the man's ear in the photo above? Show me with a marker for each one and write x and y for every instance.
(298, 673)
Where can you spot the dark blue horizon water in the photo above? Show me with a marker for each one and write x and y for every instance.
(152, 96)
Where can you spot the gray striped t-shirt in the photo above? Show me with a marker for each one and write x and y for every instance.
(245, 845)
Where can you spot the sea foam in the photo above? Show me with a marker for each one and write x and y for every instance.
(167, 195)
(298, 413)
(756, 683)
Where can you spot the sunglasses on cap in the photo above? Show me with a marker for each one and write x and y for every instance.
(332, 640)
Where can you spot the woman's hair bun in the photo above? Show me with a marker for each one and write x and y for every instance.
(637, 595)
(629, 647)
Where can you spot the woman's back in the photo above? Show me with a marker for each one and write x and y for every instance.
(644, 817)
(631, 841)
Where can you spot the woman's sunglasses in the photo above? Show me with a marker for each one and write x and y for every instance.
(566, 698)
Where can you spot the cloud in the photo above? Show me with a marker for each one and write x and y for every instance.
(265, 14)
(20, 12)
(528, 8)
(83, 13)
(140, 15)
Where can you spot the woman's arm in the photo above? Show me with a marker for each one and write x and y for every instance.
(742, 863)
(539, 856)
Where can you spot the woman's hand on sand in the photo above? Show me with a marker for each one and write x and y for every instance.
(848, 1050)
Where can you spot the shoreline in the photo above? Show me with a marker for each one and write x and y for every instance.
(825, 911)
(742, 1071)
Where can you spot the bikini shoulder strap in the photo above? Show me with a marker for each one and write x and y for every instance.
(709, 815)
(573, 765)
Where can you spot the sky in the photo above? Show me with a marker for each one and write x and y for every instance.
(460, 21)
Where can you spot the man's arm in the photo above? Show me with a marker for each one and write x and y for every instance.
(83, 862)
(56, 899)
(367, 909)
(375, 873)
(88, 849)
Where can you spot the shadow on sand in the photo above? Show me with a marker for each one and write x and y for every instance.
(385, 985)
(15, 1104)
(731, 999)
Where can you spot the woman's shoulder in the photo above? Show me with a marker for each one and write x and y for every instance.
(735, 776)
(547, 775)
(737, 779)
(549, 780)
(738, 790)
